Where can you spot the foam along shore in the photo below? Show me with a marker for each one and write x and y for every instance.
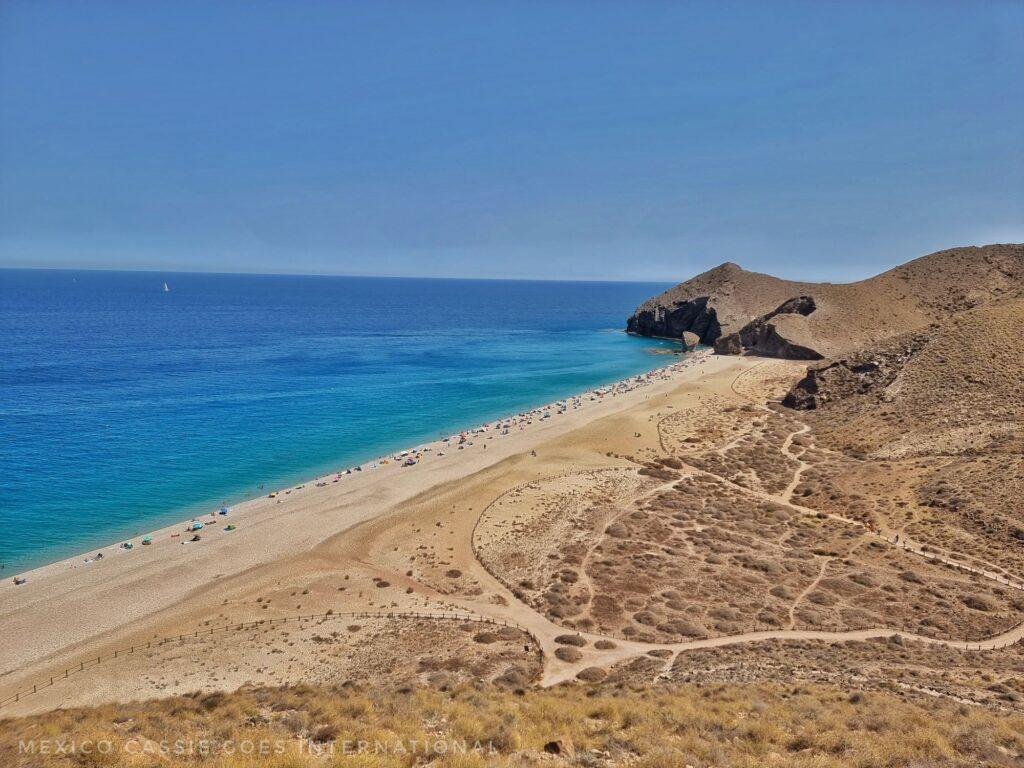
(126, 585)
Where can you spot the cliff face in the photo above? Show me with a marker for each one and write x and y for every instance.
(740, 312)
(780, 333)
(861, 373)
(689, 317)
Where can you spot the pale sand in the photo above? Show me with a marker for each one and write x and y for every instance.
(372, 523)
(400, 539)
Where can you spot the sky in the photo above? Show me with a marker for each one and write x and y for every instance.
(628, 140)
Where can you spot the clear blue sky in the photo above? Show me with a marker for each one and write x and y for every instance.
(628, 140)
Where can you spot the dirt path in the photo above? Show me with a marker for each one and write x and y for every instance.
(807, 590)
(557, 671)
(367, 546)
(786, 449)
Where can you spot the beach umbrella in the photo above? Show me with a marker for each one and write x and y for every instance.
(196, 525)
(223, 510)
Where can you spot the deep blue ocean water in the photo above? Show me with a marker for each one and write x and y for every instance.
(124, 408)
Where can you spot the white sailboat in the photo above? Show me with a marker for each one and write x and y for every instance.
(166, 289)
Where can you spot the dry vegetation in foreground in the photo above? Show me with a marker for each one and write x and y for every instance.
(716, 725)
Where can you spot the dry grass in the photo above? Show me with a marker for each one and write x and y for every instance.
(716, 725)
(329, 651)
(990, 678)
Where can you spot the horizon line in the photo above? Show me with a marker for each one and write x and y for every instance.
(149, 271)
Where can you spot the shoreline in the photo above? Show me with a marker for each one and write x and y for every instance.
(180, 516)
(85, 557)
(406, 543)
(70, 611)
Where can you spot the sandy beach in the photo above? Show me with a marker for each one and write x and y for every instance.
(323, 530)
(407, 386)
(595, 522)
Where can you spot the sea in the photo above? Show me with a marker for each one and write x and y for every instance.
(125, 407)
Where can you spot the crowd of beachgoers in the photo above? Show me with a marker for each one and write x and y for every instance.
(474, 437)
(524, 419)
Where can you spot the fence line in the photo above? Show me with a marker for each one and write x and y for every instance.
(254, 624)
(931, 553)
(330, 614)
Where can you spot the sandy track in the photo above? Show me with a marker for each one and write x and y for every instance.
(378, 526)
(557, 671)
(69, 611)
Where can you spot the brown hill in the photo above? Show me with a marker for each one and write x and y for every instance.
(739, 311)
(925, 432)
(954, 386)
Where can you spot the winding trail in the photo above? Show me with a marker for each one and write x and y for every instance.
(807, 590)
(894, 536)
(512, 610)
(557, 671)
(786, 449)
(628, 649)
(891, 536)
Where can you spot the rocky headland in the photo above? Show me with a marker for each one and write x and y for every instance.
(741, 312)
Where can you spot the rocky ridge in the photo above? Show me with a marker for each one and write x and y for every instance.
(742, 312)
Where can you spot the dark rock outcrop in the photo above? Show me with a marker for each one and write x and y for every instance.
(694, 316)
(769, 337)
(860, 374)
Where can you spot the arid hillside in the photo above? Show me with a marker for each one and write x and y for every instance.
(928, 430)
(739, 311)
(953, 387)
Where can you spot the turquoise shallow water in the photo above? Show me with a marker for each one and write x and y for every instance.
(124, 408)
